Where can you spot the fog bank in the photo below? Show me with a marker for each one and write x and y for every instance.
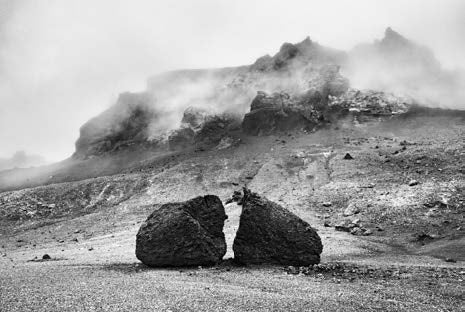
(63, 62)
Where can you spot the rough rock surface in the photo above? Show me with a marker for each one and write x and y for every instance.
(202, 130)
(125, 122)
(194, 117)
(296, 55)
(181, 138)
(279, 112)
(268, 233)
(183, 234)
(374, 103)
(215, 128)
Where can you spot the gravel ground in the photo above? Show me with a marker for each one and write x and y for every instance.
(57, 286)
(399, 267)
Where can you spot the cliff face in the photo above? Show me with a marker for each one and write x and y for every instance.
(125, 122)
(153, 115)
(300, 72)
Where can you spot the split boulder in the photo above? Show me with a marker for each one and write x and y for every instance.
(183, 234)
(269, 233)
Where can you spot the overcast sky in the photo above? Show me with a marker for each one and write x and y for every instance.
(62, 62)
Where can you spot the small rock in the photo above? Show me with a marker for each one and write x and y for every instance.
(342, 227)
(424, 237)
(357, 231)
(46, 257)
(367, 232)
(351, 210)
(90, 248)
(327, 204)
(292, 270)
(348, 156)
(413, 183)
(327, 224)
(450, 260)
(431, 213)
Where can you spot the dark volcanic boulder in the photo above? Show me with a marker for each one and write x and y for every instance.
(269, 233)
(279, 112)
(183, 234)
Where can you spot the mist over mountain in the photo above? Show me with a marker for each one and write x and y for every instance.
(22, 160)
(393, 64)
(400, 65)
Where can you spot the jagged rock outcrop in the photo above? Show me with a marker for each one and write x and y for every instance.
(282, 111)
(216, 128)
(279, 112)
(183, 234)
(136, 118)
(298, 83)
(374, 103)
(194, 117)
(269, 233)
(291, 56)
(125, 122)
(201, 130)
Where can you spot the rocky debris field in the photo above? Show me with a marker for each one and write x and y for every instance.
(70, 199)
(415, 258)
(349, 272)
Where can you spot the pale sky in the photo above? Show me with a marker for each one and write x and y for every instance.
(63, 62)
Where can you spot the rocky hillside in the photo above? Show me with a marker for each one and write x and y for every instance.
(303, 87)
(297, 88)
